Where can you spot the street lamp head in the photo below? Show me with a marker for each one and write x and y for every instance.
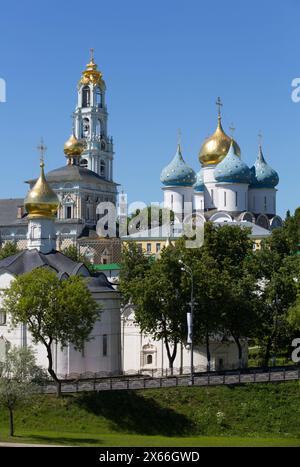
(180, 261)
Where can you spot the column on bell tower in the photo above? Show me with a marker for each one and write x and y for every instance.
(90, 121)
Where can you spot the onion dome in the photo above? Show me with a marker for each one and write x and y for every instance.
(215, 148)
(262, 175)
(178, 173)
(74, 147)
(232, 169)
(41, 201)
(199, 184)
(91, 75)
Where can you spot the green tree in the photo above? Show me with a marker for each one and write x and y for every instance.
(149, 217)
(73, 253)
(230, 290)
(160, 302)
(54, 311)
(19, 376)
(134, 267)
(277, 293)
(9, 249)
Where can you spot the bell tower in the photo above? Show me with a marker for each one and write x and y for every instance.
(90, 122)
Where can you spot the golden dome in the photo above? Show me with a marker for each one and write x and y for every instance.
(215, 148)
(41, 200)
(73, 147)
(91, 75)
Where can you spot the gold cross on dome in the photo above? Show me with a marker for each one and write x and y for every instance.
(73, 122)
(179, 136)
(42, 150)
(219, 105)
(92, 54)
(232, 130)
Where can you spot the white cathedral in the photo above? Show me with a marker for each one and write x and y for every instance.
(225, 189)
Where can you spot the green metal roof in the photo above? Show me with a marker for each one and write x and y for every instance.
(106, 267)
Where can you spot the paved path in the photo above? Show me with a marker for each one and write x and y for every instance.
(19, 445)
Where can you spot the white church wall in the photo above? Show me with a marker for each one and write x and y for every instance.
(68, 360)
(232, 197)
(137, 347)
(198, 203)
(174, 197)
(102, 352)
(262, 200)
(210, 189)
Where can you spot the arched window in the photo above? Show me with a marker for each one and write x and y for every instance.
(98, 98)
(2, 318)
(85, 127)
(102, 168)
(99, 128)
(69, 212)
(86, 96)
(84, 163)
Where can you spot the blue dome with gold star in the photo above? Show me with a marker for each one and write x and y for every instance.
(232, 169)
(199, 184)
(178, 173)
(262, 174)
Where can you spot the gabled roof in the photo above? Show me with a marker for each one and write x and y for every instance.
(74, 173)
(9, 210)
(27, 260)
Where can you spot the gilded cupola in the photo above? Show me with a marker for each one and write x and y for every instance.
(73, 148)
(215, 148)
(41, 201)
(91, 74)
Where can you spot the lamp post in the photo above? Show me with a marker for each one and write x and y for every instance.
(190, 317)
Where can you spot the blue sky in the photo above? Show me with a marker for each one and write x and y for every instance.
(164, 63)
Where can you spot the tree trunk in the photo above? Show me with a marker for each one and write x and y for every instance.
(268, 351)
(51, 371)
(240, 350)
(11, 422)
(171, 355)
(208, 356)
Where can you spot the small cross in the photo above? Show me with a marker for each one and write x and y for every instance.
(92, 54)
(232, 130)
(73, 122)
(179, 136)
(42, 149)
(260, 137)
(219, 105)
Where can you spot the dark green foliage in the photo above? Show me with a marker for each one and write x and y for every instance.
(9, 249)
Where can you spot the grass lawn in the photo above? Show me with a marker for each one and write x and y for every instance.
(89, 439)
(246, 415)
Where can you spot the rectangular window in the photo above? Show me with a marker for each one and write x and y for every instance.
(2, 318)
(236, 198)
(265, 203)
(212, 195)
(253, 202)
(157, 247)
(224, 198)
(69, 212)
(104, 345)
(148, 247)
(140, 247)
